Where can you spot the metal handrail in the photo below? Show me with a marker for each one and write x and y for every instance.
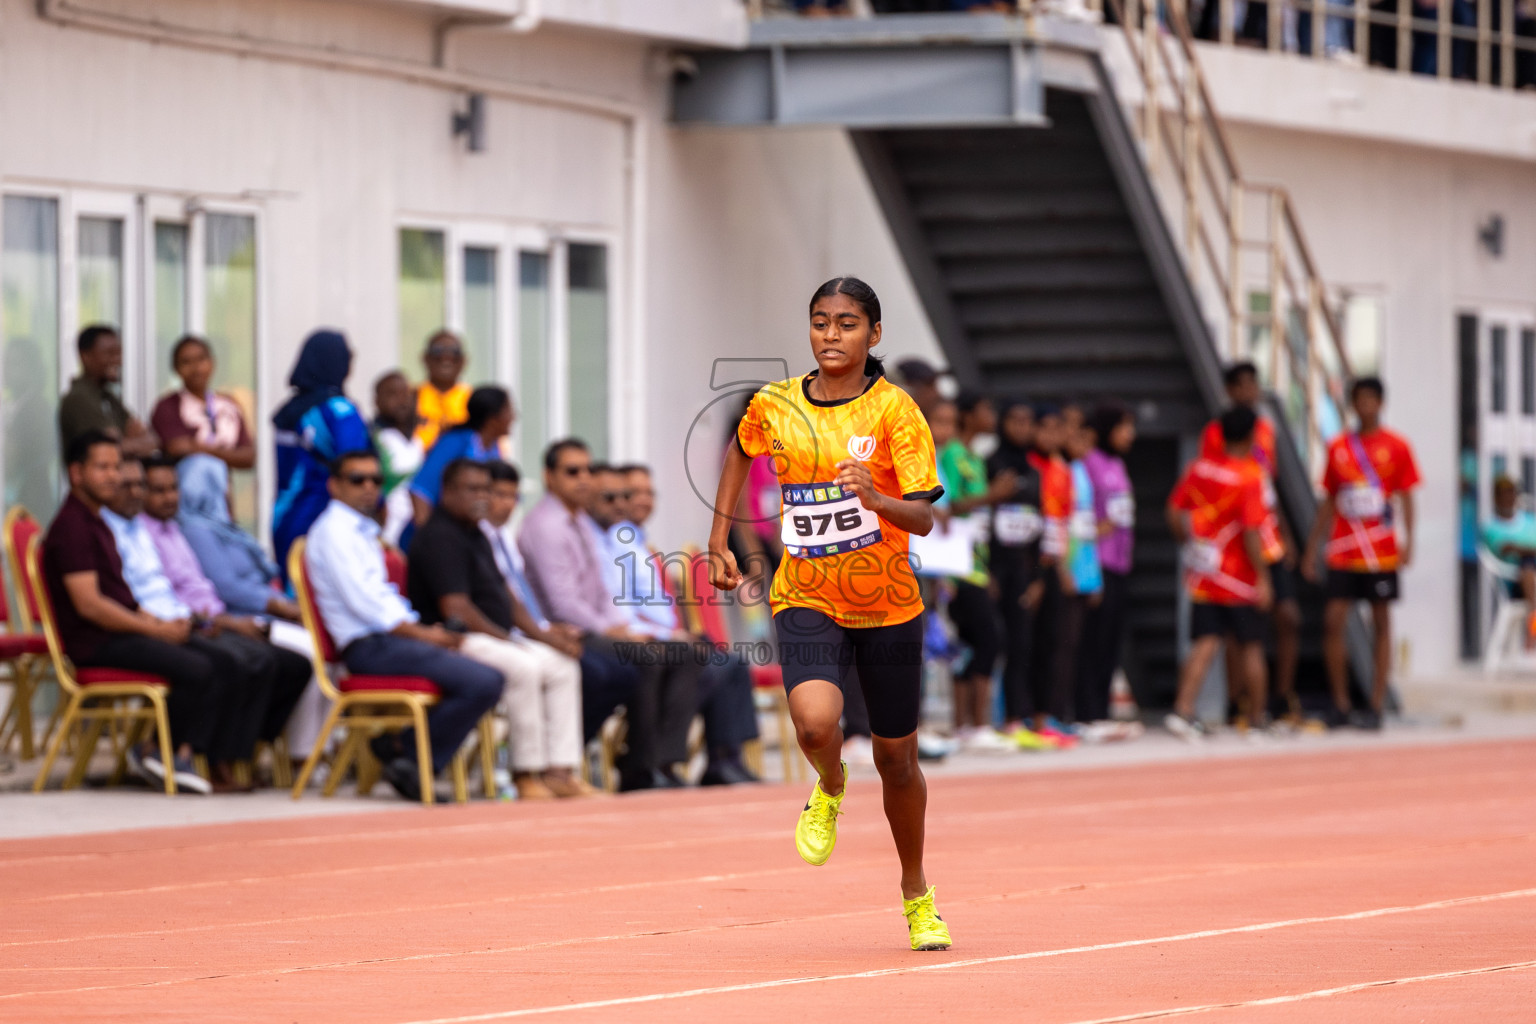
(1226, 251)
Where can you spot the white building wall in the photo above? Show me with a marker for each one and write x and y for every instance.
(736, 228)
(1392, 176)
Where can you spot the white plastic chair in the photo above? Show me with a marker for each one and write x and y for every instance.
(1508, 629)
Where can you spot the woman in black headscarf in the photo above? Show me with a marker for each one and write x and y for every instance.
(313, 427)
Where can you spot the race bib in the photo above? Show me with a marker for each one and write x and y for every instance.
(1361, 501)
(1083, 525)
(1271, 499)
(1016, 525)
(824, 519)
(1202, 557)
(1120, 509)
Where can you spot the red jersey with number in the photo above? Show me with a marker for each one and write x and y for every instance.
(1364, 472)
(1055, 501)
(1224, 498)
(1213, 446)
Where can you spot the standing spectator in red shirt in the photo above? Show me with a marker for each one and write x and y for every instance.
(1053, 688)
(1217, 511)
(1242, 381)
(198, 420)
(1367, 469)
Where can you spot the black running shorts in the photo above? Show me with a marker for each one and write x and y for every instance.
(1344, 585)
(1242, 622)
(888, 662)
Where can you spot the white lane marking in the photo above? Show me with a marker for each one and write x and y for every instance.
(1209, 933)
(1320, 993)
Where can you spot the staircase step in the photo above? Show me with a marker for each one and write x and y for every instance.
(1023, 237)
(1130, 382)
(1036, 347)
(1028, 168)
(985, 204)
(1138, 309)
(972, 276)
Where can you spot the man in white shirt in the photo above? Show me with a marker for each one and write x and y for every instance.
(621, 501)
(377, 632)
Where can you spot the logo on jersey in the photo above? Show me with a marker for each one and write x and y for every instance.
(861, 448)
(778, 445)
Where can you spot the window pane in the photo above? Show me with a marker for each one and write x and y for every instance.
(480, 314)
(423, 291)
(1498, 370)
(31, 370)
(170, 299)
(532, 430)
(230, 300)
(588, 270)
(101, 271)
(1500, 465)
(1528, 371)
(1527, 475)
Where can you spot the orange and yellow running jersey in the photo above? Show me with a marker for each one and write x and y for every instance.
(840, 558)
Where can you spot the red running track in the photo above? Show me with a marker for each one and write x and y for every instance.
(1382, 886)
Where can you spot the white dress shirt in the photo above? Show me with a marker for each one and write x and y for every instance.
(635, 582)
(143, 570)
(346, 571)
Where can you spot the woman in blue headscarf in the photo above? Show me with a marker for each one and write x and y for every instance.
(232, 559)
(317, 424)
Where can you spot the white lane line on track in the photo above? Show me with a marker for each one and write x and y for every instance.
(1210, 933)
(1320, 993)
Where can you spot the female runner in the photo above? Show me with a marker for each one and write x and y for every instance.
(856, 469)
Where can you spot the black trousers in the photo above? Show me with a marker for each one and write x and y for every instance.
(1099, 654)
(1013, 570)
(663, 702)
(725, 703)
(291, 673)
(975, 619)
(219, 689)
(1058, 631)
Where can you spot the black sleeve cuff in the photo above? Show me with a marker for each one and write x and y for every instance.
(933, 495)
(736, 436)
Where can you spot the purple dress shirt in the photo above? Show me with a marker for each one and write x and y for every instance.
(560, 551)
(182, 568)
(1111, 498)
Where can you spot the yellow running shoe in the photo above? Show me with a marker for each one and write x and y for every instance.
(1028, 739)
(816, 833)
(927, 929)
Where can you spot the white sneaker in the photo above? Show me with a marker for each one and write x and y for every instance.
(1186, 729)
(147, 767)
(188, 780)
(859, 750)
(987, 741)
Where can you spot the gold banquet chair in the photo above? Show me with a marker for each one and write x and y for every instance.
(22, 648)
(367, 705)
(97, 697)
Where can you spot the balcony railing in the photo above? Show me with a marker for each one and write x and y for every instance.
(1488, 41)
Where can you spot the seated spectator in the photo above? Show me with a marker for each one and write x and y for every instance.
(453, 580)
(93, 403)
(442, 401)
(606, 682)
(198, 420)
(246, 580)
(560, 548)
(101, 624)
(291, 670)
(491, 416)
(313, 427)
(622, 500)
(376, 631)
(400, 450)
(1510, 534)
(233, 647)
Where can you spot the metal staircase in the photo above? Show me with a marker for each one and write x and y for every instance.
(1076, 226)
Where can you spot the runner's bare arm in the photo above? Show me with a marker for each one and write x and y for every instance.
(1178, 523)
(1320, 527)
(1405, 555)
(914, 516)
(723, 573)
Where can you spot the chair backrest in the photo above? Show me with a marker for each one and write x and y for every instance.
(324, 652)
(1496, 566)
(37, 588)
(396, 568)
(19, 530)
(701, 601)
